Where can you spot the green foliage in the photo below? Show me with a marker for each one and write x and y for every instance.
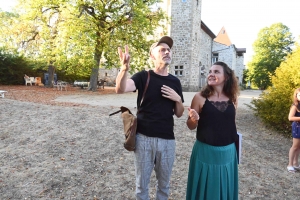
(270, 49)
(13, 67)
(61, 75)
(8, 26)
(74, 35)
(274, 105)
(245, 76)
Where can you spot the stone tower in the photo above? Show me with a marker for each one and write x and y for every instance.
(186, 32)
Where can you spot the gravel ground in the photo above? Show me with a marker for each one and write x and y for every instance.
(59, 150)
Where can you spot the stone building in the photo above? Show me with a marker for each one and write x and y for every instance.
(109, 75)
(195, 47)
(224, 50)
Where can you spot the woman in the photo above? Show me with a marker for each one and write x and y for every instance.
(294, 116)
(213, 170)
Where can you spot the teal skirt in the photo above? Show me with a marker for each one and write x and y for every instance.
(213, 173)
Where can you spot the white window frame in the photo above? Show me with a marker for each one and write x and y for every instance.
(214, 58)
(178, 70)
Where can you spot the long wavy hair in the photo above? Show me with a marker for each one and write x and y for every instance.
(230, 89)
(295, 99)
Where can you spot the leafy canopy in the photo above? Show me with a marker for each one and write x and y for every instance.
(270, 49)
(274, 105)
(13, 66)
(74, 35)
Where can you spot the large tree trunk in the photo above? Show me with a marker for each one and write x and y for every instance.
(51, 71)
(94, 79)
(95, 71)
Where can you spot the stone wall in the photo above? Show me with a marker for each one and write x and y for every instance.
(229, 55)
(224, 53)
(240, 68)
(193, 47)
(109, 75)
(186, 33)
(205, 57)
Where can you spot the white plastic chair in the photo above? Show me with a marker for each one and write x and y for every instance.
(62, 85)
(27, 80)
(32, 79)
(55, 84)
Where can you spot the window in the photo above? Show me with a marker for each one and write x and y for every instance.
(178, 70)
(207, 59)
(202, 70)
(215, 57)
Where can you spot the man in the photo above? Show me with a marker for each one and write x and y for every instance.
(155, 141)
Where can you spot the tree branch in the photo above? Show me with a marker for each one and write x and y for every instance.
(30, 39)
(54, 8)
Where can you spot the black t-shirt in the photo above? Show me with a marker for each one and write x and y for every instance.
(155, 117)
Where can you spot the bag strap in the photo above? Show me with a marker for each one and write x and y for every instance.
(114, 113)
(123, 109)
(146, 87)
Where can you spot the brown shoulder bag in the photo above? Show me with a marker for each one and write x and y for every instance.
(130, 122)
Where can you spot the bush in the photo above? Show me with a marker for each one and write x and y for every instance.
(274, 104)
(13, 67)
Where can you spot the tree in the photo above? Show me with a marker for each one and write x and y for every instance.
(274, 104)
(270, 49)
(9, 23)
(76, 34)
(13, 66)
(115, 23)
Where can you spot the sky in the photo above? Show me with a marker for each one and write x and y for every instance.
(242, 19)
(7, 5)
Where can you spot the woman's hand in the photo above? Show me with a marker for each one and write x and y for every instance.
(193, 115)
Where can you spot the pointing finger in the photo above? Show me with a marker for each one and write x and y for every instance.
(120, 52)
(126, 49)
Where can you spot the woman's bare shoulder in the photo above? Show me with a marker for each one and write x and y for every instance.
(198, 100)
(198, 96)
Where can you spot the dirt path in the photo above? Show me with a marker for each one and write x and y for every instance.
(56, 150)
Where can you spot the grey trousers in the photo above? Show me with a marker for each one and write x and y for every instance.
(153, 153)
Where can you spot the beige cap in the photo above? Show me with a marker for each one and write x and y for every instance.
(165, 39)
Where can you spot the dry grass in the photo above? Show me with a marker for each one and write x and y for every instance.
(54, 150)
(44, 95)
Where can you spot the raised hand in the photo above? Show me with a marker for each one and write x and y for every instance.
(124, 58)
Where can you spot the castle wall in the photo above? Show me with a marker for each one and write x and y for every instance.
(224, 53)
(193, 48)
(229, 55)
(186, 33)
(240, 68)
(109, 75)
(205, 57)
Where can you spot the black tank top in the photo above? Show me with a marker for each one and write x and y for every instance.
(297, 114)
(217, 127)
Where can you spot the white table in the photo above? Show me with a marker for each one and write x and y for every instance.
(2, 93)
